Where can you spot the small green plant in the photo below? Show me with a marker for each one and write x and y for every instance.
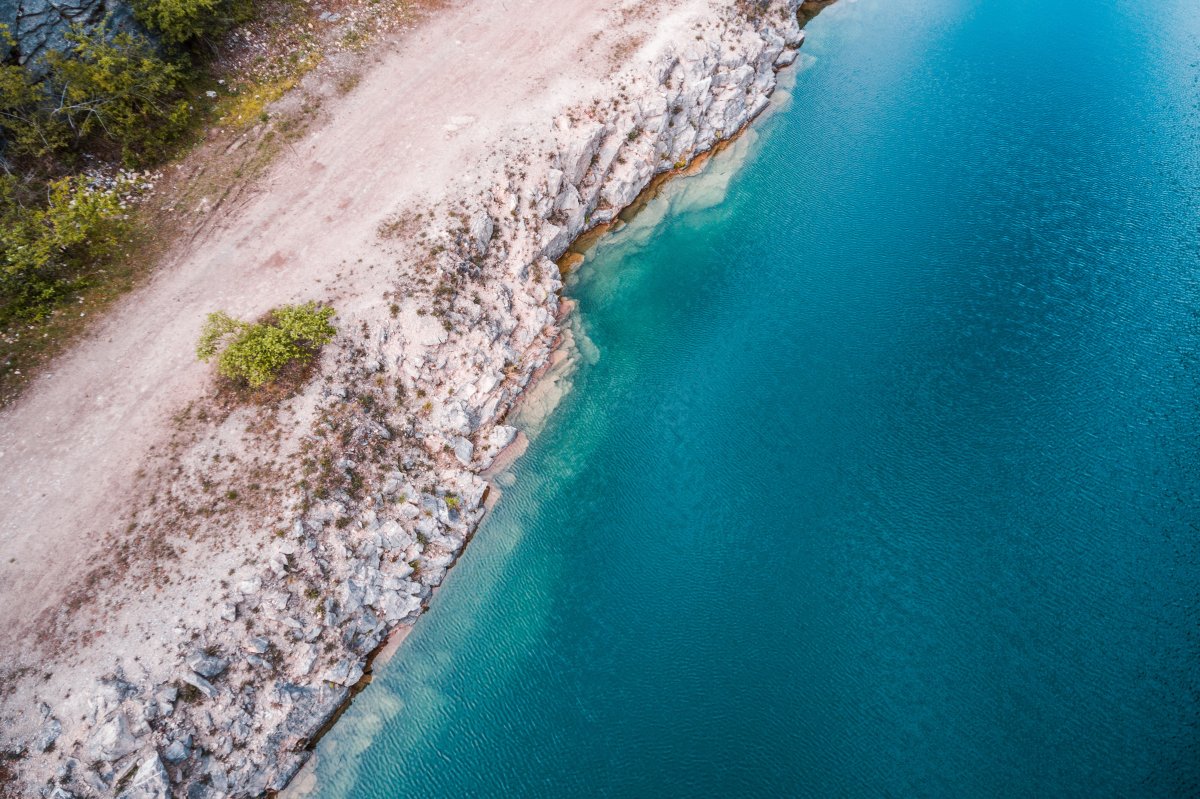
(254, 354)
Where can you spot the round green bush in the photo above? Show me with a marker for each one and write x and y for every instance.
(254, 353)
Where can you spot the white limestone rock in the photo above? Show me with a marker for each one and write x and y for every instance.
(345, 672)
(208, 666)
(481, 230)
(464, 450)
(581, 150)
(112, 741)
(150, 781)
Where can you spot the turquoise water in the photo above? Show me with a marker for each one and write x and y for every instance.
(880, 477)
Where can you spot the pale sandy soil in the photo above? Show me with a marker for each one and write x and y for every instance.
(422, 123)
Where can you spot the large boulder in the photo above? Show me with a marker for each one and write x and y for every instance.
(309, 707)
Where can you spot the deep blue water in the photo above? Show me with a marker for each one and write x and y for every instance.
(880, 477)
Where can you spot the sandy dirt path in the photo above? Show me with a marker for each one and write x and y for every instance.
(422, 123)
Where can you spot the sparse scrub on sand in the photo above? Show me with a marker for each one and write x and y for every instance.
(255, 353)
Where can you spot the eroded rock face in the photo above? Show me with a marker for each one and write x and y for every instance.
(39, 26)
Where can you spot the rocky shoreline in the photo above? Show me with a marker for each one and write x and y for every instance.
(408, 412)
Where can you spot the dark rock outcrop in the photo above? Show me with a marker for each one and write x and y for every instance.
(39, 26)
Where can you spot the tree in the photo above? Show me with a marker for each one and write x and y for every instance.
(254, 354)
(118, 90)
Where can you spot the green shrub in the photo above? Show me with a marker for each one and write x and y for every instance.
(185, 21)
(117, 91)
(254, 354)
(101, 97)
(177, 21)
(46, 252)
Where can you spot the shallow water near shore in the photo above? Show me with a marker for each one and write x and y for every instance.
(879, 474)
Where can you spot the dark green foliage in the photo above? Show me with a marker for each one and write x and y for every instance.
(106, 97)
(182, 22)
(103, 95)
(116, 92)
(28, 128)
(111, 97)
